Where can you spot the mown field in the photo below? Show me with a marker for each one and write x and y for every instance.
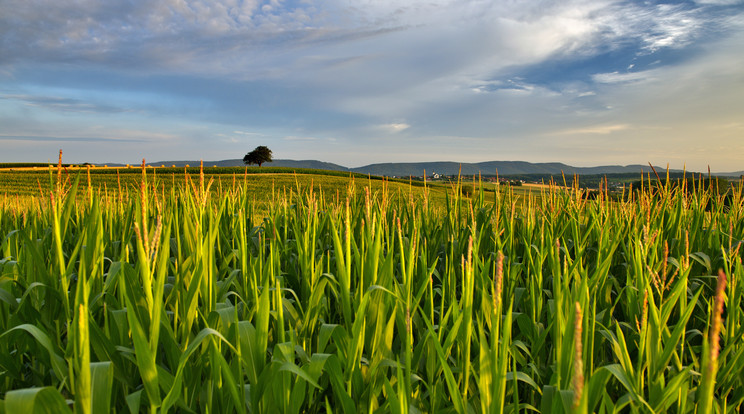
(366, 297)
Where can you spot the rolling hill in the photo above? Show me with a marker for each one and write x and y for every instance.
(492, 167)
(406, 169)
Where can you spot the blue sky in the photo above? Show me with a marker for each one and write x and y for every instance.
(357, 82)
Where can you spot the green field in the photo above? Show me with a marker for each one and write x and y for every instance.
(316, 293)
(37, 181)
(263, 185)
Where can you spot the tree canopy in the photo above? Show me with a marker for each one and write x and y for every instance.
(258, 156)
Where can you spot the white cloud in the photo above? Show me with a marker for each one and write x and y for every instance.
(394, 127)
(455, 68)
(628, 77)
(720, 2)
(244, 40)
(672, 27)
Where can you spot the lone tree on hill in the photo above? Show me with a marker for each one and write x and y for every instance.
(258, 156)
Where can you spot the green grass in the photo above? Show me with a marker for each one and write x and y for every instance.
(204, 296)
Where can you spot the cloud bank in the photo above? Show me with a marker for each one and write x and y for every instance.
(582, 82)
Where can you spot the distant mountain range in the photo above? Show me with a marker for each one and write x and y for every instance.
(494, 167)
(449, 168)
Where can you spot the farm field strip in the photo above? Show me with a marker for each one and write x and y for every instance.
(261, 185)
(374, 299)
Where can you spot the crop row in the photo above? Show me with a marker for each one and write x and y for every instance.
(373, 301)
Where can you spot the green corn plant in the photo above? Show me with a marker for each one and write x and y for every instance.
(163, 292)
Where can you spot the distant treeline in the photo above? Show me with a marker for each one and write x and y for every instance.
(717, 185)
(593, 181)
(590, 181)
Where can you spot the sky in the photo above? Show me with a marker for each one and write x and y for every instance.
(354, 82)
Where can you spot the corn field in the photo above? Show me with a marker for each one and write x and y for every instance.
(186, 300)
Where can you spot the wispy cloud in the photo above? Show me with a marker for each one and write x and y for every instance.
(250, 134)
(670, 26)
(263, 39)
(720, 2)
(299, 138)
(514, 85)
(626, 77)
(64, 104)
(66, 139)
(597, 129)
(214, 75)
